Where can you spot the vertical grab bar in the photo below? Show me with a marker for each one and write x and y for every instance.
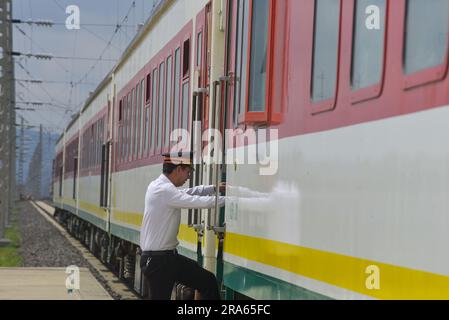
(211, 221)
(218, 227)
(191, 182)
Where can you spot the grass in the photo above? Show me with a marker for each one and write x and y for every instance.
(9, 256)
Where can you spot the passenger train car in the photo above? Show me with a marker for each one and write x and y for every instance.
(343, 106)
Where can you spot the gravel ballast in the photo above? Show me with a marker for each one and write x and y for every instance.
(43, 246)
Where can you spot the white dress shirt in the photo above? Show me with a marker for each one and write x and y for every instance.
(162, 217)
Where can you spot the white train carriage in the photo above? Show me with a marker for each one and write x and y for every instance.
(357, 207)
(348, 197)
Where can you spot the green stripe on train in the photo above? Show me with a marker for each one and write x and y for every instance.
(262, 287)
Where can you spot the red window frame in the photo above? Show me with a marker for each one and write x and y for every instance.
(137, 125)
(141, 85)
(147, 109)
(123, 138)
(154, 104)
(160, 106)
(177, 122)
(276, 34)
(119, 124)
(166, 140)
(260, 117)
(136, 119)
(130, 125)
(279, 65)
(185, 78)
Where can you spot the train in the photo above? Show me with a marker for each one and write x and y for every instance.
(337, 161)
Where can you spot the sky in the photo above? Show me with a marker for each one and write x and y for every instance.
(67, 82)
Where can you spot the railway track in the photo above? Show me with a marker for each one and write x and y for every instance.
(116, 287)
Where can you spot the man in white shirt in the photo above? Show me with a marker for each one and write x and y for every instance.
(160, 262)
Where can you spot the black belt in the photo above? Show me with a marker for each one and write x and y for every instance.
(160, 253)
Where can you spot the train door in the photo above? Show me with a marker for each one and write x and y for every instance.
(75, 177)
(104, 181)
(61, 180)
(200, 108)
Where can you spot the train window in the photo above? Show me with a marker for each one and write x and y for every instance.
(120, 143)
(97, 142)
(85, 150)
(133, 124)
(368, 45)
(92, 141)
(94, 146)
(168, 100)
(253, 49)
(125, 117)
(120, 116)
(124, 129)
(186, 58)
(175, 119)
(258, 58)
(148, 91)
(161, 104)
(153, 110)
(185, 105)
(325, 49)
(129, 126)
(199, 48)
(100, 139)
(137, 121)
(241, 59)
(123, 137)
(146, 130)
(426, 34)
(142, 117)
(120, 111)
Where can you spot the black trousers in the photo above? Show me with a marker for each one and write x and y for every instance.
(163, 271)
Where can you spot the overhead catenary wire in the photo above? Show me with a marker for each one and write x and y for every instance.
(37, 113)
(72, 80)
(33, 41)
(50, 57)
(51, 23)
(51, 81)
(107, 45)
(43, 88)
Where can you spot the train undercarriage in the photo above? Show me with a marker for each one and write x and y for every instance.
(120, 256)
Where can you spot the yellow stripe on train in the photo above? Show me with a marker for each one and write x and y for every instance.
(355, 274)
(367, 277)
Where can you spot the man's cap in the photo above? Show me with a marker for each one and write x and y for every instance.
(179, 158)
